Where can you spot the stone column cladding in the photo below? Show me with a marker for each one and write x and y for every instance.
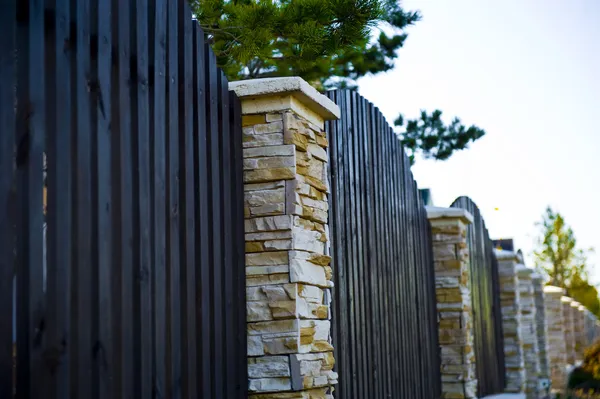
(568, 320)
(511, 321)
(557, 348)
(529, 331)
(541, 325)
(579, 328)
(576, 329)
(288, 273)
(455, 311)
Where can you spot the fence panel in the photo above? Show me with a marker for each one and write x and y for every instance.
(485, 292)
(129, 283)
(385, 318)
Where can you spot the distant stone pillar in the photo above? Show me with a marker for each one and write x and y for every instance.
(541, 325)
(577, 331)
(511, 321)
(529, 331)
(581, 333)
(569, 333)
(557, 348)
(288, 276)
(453, 292)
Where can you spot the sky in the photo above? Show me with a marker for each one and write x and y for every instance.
(528, 73)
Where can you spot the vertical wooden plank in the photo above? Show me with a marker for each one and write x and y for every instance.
(187, 193)
(173, 237)
(58, 151)
(203, 227)
(29, 161)
(212, 78)
(103, 347)
(226, 253)
(140, 126)
(123, 231)
(8, 15)
(158, 44)
(81, 331)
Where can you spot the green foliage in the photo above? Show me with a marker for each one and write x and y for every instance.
(329, 43)
(434, 139)
(565, 265)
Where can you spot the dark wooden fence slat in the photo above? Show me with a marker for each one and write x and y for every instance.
(123, 173)
(186, 159)
(141, 191)
(215, 212)
(104, 345)
(82, 204)
(8, 69)
(30, 181)
(173, 176)
(203, 228)
(158, 110)
(58, 239)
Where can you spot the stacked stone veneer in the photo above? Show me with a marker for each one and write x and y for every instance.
(529, 331)
(569, 335)
(557, 348)
(288, 273)
(577, 330)
(541, 325)
(581, 341)
(451, 258)
(511, 321)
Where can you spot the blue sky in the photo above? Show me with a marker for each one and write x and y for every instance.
(528, 72)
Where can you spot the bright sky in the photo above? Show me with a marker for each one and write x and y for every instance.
(526, 71)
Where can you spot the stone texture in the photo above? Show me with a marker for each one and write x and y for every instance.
(569, 329)
(541, 325)
(451, 259)
(528, 327)
(557, 355)
(288, 273)
(511, 321)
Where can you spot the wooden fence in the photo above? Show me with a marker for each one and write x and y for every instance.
(384, 317)
(485, 295)
(137, 291)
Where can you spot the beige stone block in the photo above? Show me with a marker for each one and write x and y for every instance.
(265, 175)
(262, 140)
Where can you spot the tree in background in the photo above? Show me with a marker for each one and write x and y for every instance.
(432, 138)
(330, 44)
(565, 265)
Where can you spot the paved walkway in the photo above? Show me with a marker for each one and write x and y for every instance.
(507, 396)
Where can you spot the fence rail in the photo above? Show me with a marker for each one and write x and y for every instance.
(485, 295)
(136, 290)
(384, 319)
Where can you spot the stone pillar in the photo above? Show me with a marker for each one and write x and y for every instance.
(581, 336)
(453, 292)
(529, 331)
(557, 349)
(288, 276)
(577, 330)
(511, 321)
(569, 337)
(541, 325)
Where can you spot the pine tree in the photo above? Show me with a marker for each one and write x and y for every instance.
(329, 43)
(429, 136)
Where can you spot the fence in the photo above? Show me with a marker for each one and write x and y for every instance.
(143, 293)
(385, 319)
(485, 292)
